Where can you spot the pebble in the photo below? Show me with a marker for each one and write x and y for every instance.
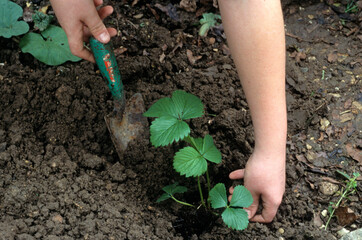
(354, 235)
(324, 213)
(281, 230)
(342, 232)
(328, 189)
(324, 124)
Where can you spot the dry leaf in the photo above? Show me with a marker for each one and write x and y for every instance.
(191, 57)
(188, 5)
(153, 11)
(354, 153)
(345, 216)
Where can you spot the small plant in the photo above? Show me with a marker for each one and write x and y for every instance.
(41, 20)
(9, 25)
(50, 46)
(351, 188)
(192, 161)
(351, 7)
(208, 21)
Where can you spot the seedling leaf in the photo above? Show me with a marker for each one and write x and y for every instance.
(163, 197)
(165, 130)
(171, 190)
(189, 162)
(54, 50)
(41, 20)
(9, 14)
(208, 21)
(235, 218)
(241, 197)
(217, 196)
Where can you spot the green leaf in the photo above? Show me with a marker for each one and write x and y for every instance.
(163, 197)
(196, 143)
(218, 197)
(51, 47)
(208, 21)
(41, 20)
(182, 106)
(167, 129)
(161, 108)
(189, 162)
(171, 112)
(235, 218)
(187, 105)
(241, 197)
(171, 190)
(209, 150)
(9, 14)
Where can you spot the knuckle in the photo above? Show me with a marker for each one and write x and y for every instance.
(97, 27)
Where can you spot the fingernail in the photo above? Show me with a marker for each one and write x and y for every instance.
(104, 37)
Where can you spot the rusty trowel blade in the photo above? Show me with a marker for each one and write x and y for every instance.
(129, 126)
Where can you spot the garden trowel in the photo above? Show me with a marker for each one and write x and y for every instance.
(126, 122)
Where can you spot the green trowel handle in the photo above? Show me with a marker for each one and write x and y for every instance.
(107, 64)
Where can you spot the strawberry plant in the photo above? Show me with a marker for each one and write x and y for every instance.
(171, 126)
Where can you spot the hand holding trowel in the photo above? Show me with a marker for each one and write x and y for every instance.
(127, 120)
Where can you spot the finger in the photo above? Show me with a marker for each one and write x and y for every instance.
(237, 174)
(98, 2)
(112, 32)
(251, 210)
(105, 12)
(266, 216)
(77, 48)
(270, 208)
(96, 26)
(231, 190)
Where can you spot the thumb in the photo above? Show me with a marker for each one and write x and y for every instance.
(96, 27)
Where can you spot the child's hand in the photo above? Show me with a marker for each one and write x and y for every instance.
(80, 19)
(264, 177)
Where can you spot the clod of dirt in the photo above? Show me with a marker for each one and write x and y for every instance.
(328, 188)
(92, 161)
(64, 95)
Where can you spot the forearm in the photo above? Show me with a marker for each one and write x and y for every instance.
(255, 34)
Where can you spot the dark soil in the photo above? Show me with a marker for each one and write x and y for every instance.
(60, 177)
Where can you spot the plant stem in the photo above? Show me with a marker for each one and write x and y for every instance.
(346, 192)
(208, 186)
(181, 202)
(200, 190)
(334, 209)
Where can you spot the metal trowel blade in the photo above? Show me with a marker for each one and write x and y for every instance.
(129, 125)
